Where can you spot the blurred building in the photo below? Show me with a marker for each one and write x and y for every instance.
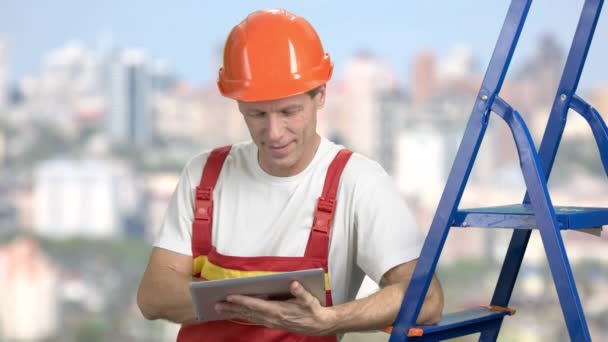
(4, 70)
(428, 142)
(535, 83)
(599, 100)
(162, 75)
(88, 198)
(424, 77)
(132, 81)
(23, 199)
(546, 64)
(2, 147)
(189, 120)
(393, 109)
(357, 109)
(455, 75)
(159, 188)
(8, 213)
(459, 64)
(67, 85)
(420, 161)
(429, 137)
(28, 293)
(223, 121)
(182, 115)
(129, 86)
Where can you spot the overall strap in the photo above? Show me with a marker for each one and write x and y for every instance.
(203, 201)
(318, 242)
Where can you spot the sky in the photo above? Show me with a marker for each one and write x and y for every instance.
(189, 34)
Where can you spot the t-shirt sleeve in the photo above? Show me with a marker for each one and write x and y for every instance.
(175, 233)
(387, 234)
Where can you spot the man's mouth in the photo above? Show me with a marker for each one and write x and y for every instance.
(278, 148)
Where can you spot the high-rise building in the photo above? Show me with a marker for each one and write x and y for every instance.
(128, 86)
(28, 292)
(162, 76)
(424, 77)
(4, 69)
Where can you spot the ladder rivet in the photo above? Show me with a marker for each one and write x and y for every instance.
(562, 97)
(484, 98)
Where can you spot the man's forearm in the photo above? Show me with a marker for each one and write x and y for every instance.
(168, 298)
(379, 310)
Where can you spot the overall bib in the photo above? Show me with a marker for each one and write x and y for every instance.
(208, 264)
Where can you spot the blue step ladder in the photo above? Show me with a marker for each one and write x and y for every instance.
(536, 211)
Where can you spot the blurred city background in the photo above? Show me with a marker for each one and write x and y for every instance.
(102, 104)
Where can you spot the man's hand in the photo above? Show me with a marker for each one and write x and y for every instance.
(302, 314)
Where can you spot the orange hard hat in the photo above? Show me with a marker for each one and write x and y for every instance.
(270, 55)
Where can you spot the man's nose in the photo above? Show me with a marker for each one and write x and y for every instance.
(275, 127)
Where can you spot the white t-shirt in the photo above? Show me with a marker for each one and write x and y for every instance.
(256, 214)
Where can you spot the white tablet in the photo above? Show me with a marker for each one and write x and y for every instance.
(275, 286)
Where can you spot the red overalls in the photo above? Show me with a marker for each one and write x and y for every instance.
(208, 264)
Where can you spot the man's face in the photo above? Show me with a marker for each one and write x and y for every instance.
(284, 131)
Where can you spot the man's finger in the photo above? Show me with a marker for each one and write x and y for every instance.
(302, 294)
(252, 303)
(230, 311)
(228, 308)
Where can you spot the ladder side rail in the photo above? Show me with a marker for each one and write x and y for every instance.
(504, 49)
(508, 275)
(597, 124)
(571, 75)
(435, 239)
(459, 174)
(549, 146)
(547, 223)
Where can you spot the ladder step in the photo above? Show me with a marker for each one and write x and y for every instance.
(461, 323)
(520, 216)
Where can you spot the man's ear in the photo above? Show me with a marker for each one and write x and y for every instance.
(320, 97)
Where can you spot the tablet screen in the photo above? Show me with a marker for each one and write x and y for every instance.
(275, 286)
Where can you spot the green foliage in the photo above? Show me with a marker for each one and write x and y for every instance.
(93, 330)
(113, 250)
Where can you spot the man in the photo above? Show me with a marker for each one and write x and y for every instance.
(249, 208)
